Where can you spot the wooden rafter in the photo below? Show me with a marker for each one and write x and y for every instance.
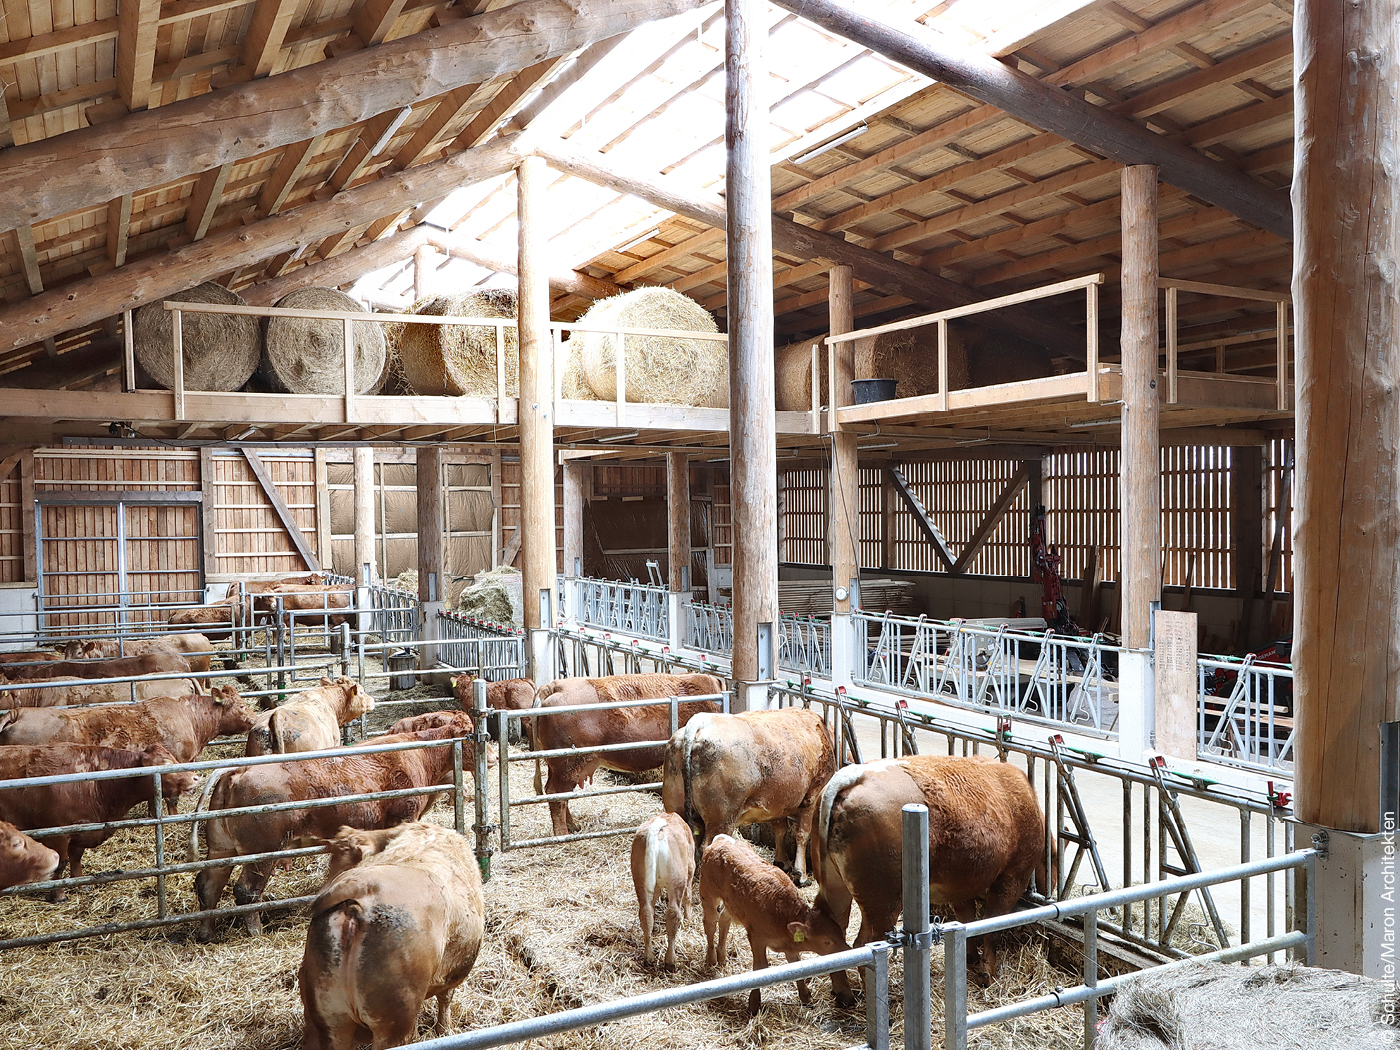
(921, 518)
(118, 228)
(290, 168)
(262, 44)
(138, 23)
(344, 268)
(424, 144)
(29, 257)
(993, 517)
(204, 201)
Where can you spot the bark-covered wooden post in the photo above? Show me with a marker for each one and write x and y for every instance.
(752, 441)
(537, 557)
(364, 515)
(575, 479)
(1142, 449)
(845, 476)
(1346, 517)
(424, 263)
(678, 520)
(432, 584)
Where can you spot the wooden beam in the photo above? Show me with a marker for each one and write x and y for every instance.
(921, 518)
(290, 168)
(364, 516)
(993, 517)
(372, 25)
(1140, 581)
(432, 562)
(374, 136)
(262, 43)
(342, 269)
(90, 300)
(1346, 526)
(118, 228)
(790, 238)
(279, 507)
(575, 475)
(28, 539)
(204, 201)
(423, 143)
(844, 498)
(321, 477)
(69, 369)
(55, 175)
(138, 22)
(507, 102)
(574, 282)
(209, 536)
(29, 258)
(1022, 96)
(677, 520)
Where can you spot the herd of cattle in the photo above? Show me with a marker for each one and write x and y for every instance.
(400, 918)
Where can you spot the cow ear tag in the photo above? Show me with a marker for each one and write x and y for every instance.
(798, 935)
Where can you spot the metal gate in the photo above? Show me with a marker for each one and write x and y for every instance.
(116, 560)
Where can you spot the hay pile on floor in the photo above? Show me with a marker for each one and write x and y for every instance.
(221, 351)
(406, 581)
(792, 375)
(573, 385)
(494, 595)
(305, 355)
(1211, 1006)
(460, 359)
(660, 369)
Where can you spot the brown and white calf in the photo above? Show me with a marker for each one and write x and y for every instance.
(986, 838)
(403, 925)
(76, 692)
(22, 859)
(84, 801)
(586, 729)
(663, 861)
(183, 725)
(316, 778)
(118, 667)
(310, 720)
(195, 648)
(726, 770)
(737, 885)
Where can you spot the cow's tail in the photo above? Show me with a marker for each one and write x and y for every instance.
(203, 803)
(274, 735)
(688, 813)
(656, 846)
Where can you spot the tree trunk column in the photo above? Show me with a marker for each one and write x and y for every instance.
(537, 557)
(844, 490)
(364, 516)
(1142, 449)
(432, 583)
(678, 521)
(753, 451)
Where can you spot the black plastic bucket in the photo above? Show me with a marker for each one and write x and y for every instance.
(865, 391)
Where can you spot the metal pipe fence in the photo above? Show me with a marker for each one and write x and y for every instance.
(396, 615)
(581, 653)
(633, 608)
(804, 642)
(1044, 677)
(1245, 713)
(1151, 842)
(490, 650)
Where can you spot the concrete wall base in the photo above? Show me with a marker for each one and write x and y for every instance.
(750, 696)
(1356, 896)
(539, 654)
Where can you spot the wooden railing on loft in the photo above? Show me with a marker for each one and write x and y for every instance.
(1281, 301)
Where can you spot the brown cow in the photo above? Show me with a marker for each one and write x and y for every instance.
(207, 617)
(81, 802)
(308, 779)
(195, 648)
(662, 862)
(511, 694)
(585, 729)
(29, 656)
(727, 770)
(310, 720)
(78, 692)
(986, 839)
(458, 721)
(299, 598)
(183, 725)
(737, 885)
(403, 926)
(121, 667)
(22, 859)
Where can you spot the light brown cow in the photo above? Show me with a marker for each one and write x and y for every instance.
(22, 859)
(183, 725)
(308, 779)
(458, 721)
(737, 885)
(585, 729)
(511, 694)
(78, 692)
(403, 926)
(662, 862)
(299, 598)
(986, 839)
(29, 656)
(209, 617)
(310, 720)
(195, 648)
(81, 802)
(727, 770)
(120, 667)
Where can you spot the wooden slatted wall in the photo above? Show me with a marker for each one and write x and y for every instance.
(803, 521)
(1082, 500)
(249, 538)
(11, 528)
(1197, 540)
(1278, 458)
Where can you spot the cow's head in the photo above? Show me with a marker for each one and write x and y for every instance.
(357, 701)
(172, 785)
(818, 932)
(22, 859)
(350, 846)
(462, 689)
(235, 716)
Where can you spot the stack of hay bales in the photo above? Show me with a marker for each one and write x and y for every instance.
(221, 351)
(306, 355)
(460, 359)
(495, 595)
(669, 370)
(995, 357)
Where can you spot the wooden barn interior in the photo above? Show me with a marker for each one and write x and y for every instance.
(1003, 353)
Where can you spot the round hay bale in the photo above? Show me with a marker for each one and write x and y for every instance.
(660, 369)
(792, 379)
(494, 595)
(995, 357)
(911, 358)
(460, 359)
(573, 385)
(221, 351)
(306, 355)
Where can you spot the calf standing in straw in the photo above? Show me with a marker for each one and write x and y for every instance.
(663, 861)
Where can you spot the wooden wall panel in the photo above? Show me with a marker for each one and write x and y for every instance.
(249, 537)
(11, 527)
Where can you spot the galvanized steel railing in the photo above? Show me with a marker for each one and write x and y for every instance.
(1245, 713)
(804, 642)
(395, 614)
(493, 651)
(709, 628)
(1055, 679)
(632, 608)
